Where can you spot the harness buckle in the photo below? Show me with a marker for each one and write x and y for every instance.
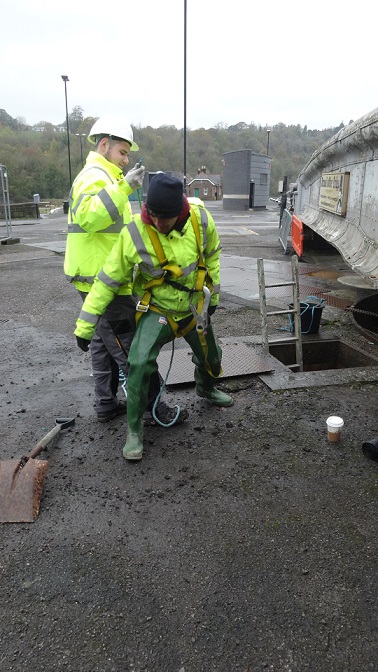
(202, 318)
(141, 307)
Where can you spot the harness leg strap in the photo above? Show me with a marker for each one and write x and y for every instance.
(206, 359)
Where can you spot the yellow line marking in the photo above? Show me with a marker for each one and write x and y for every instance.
(251, 231)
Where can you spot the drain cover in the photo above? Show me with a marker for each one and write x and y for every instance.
(238, 359)
(355, 281)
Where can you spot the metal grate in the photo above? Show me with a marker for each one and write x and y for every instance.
(308, 290)
(238, 359)
(335, 301)
(303, 270)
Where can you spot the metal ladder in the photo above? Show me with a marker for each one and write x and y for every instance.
(294, 312)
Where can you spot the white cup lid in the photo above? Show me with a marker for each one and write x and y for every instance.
(335, 421)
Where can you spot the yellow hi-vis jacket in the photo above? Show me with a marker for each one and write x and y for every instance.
(134, 248)
(99, 208)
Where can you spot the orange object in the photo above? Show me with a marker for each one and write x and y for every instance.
(297, 235)
(22, 480)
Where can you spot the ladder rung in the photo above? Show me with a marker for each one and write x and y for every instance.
(292, 311)
(288, 339)
(281, 312)
(282, 284)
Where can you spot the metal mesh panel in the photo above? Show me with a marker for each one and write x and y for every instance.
(239, 359)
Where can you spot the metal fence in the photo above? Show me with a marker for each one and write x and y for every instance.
(6, 225)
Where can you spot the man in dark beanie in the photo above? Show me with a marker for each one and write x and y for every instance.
(165, 195)
(175, 247)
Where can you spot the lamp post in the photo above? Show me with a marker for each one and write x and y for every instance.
(81, 135)
(267, 142)
(185, 13)
(65, 80)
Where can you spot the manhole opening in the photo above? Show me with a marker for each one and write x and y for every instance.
(365, 314)
(323, 355)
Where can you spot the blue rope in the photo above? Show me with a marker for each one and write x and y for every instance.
(163, 424)
(123, 381)
(320, 304)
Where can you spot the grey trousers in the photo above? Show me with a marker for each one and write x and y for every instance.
(116, 324)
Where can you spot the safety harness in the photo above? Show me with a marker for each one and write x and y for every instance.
(203, 284)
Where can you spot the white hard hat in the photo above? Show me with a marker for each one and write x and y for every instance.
(115, 127)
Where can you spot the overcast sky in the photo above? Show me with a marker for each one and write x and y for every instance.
(258, 62)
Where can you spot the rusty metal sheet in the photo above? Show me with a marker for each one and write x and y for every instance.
(21, 490)
(239, 359)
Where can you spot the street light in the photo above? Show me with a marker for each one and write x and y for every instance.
(267, 143)
(185, 13)
(81, 135)
(65, 80)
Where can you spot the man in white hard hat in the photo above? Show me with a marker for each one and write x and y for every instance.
(99, 208)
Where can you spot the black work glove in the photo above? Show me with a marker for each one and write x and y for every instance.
(211, 310)
(83, 343)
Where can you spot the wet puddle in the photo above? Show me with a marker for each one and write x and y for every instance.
(330, 275)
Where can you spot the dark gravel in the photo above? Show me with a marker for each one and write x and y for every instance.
(242, 542)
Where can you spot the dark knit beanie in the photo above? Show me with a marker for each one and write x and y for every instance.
(165, 196)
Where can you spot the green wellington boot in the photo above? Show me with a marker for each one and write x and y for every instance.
(215, 396)
(205, 387)
(133, 448)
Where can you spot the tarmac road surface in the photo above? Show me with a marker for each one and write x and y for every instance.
(244, 540)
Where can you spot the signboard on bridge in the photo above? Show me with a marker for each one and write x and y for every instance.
(334, 192)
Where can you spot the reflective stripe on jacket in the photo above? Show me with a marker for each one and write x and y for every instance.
(134, 248)
(99, 210)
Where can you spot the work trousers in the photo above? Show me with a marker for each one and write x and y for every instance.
(154, 331)
(109, 357)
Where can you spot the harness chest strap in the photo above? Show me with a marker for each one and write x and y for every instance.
(202, 270)
(202, 276)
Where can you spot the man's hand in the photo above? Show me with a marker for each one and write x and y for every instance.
(135, 177)
(83, 343)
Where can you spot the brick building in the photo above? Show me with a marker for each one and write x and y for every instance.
(204, 186)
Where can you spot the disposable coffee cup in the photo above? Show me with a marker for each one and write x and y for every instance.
(334, 427)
